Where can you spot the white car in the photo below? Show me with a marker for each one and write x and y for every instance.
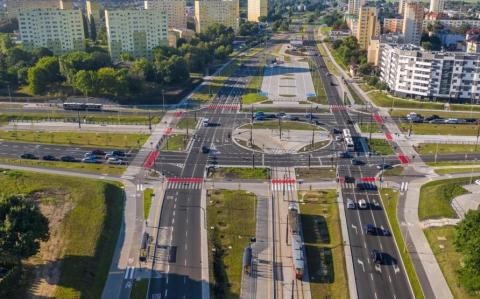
(116, 161)
(362, 204)
(350, 204)
(477, 182)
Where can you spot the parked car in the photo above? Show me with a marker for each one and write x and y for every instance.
(90, 159)
(350, 204)
(29, 156)
(281, 114)
(68, 159)
(349, 179)
(49, 158)
(377, 257)
(437, 121)
(98, 152)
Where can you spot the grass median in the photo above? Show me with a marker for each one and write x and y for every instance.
(253, 87)
(139, 289)
(286, 125)
(330, 66)
(321, 95)
(110, 140)
(147, 202)
(380, 147)
(85, 217)
(367, 127)
(317, 173)
(385, 100)
(323, 243)
(390, 200)
(435, 198)
(432, 148)
(175, 142)
(231, 222)
(457, 170)
(449, 260)
(116, 170)
(443, 129)
(188, 122)
(241, 173)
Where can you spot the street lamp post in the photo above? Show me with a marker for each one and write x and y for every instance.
(163, 99)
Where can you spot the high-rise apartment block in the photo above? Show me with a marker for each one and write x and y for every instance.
(368, 27)
(175, 9)
(401, 6)
(56, 29)
(209, 12)
(94, 10)
(14, 7)
(257, 9)
(354, 6)
(392, 25)
(136, 32)
(413, 23)
(411, 71)
(437, 5)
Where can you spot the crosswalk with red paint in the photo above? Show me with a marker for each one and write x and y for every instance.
(184, 183)
(152, 156)
(168, 131)
(284, 184)
(403, 158)
(351, 185)
(378, 119)
(389, 136)
(338, 107)
(222, 106)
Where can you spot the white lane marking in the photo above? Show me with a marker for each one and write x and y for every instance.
(396, 269)
(131, 273)
(375, 295)
(126, 273)
(402, 186)
(355, 228)
(389, 278)
(361, 263)
(378, 268)
(406, 186)
(371, 276)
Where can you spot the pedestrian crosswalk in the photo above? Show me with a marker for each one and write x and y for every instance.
(184, 185)
(284, 185)
(223, 106)
(338, 107)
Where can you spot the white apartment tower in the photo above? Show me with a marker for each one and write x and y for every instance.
(413, 23)
(136, 32)
(14, 7)
(257, 9)
(410, 71)
(437, 5)
(175, 9)
(209, 12)
(56, 29)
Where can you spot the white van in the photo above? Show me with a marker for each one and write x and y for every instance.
(205, 122)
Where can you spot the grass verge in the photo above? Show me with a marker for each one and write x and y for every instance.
(325, 173)
(432, 148)
(241, 173)
(139, 289)
(443, 114)
(252, 96)
(116, 170)
(435, 198)
(380, 147)
(147, 202)
(286, 125)
(367, 127)
(111, 140)
(445, 129)
(323, 243)
(449, 163)
(390, 199)
(449, 260)
(85, 218)
(231, 222)
(384, 100)
(321, 96)
(316, 146)
(175, 142)
(457, 170)
(330, 66)
(187, 122)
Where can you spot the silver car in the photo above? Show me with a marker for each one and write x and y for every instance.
(350, 204)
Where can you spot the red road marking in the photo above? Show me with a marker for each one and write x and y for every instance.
(378, 119)
(287, 181)
(403, 158)
(178, 113)
(185, 180)
(232, 107)
(389, 136)
(152, 156)
(370, 179)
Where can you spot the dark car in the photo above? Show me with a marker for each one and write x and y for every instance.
(49, 158)
(349, 179)
(336, 131)
(98, 152)
(357, 162)
(384, 166)
(118, 153)
(292, 117)
(345, 155)
(205, 149)
(432, 117)
(68, 159)
(29, 156)
(377, 257)
(371, 229)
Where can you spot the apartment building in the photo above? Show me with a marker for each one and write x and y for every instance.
(453, 23)
(392, 25)
(413, 72)
(368, 26)
(136, 32)
(413, 22)
(94, 10)
(209, 12)
(257, 9)
(175, 9)
(401, 6)
(437, 5)
(353, 7)
(14, 7)
(56, 29)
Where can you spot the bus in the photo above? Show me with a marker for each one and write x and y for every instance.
(346, 133)
(143, 248)
(82, 106)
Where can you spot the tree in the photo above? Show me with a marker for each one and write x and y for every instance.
(467, 242)
(22, 227)
(86, 82)
(142, 69)
(5, 42)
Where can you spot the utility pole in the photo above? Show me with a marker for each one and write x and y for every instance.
(149, 121)
(163, 99)
(79, 121)
(253, 160)
(309, 160)
(370, 127)
(280, 127)
(478, 134)
(313, 137)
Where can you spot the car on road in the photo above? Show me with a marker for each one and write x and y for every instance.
(116, 161)
(98, 152)
(362, 204)
(281, 114)
(349, 179)
(336, 131)
(357, 162)
(49, 158)
(338, 138)
(350, 204)
(310, 116)
(432, 117)
(451, 121)
(436, 121)
(29, 156)
(292, 117)
(386, 232)
(371, 229)
(377, 257)
(260, 117)
(90, 159)
(477, 182)
(205, 149)
(384, 166)
(68, 159)
(345, 155)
